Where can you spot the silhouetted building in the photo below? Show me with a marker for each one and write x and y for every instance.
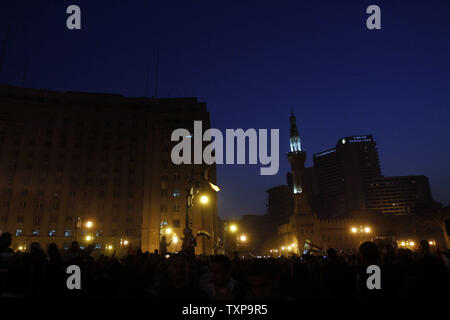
(280, 203)
(344, 174)
(399, 195)
(67, 158)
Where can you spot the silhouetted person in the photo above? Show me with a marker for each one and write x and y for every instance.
(5, 242)
(55, 271)
(37, 271)
(263, 278)
(163, 244)
(428, 277)
(220, 285)
(179, 285)
(74, 252)
(337, 281)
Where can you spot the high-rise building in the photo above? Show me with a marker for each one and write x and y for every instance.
(401, 195)
(344, 174)
(71, 158)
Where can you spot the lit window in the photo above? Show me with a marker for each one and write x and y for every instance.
(52, 233)
(68, 233)
(35, 232)
(19, 232)
(176, 192)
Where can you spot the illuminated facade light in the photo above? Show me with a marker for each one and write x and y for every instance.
(354, 230)
(367, 230)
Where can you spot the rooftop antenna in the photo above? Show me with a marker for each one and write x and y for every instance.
(4, 44)
(156, 73)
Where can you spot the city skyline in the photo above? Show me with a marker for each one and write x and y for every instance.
(391, 83)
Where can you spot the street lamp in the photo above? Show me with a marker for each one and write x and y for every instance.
(233, 228)
(243, 238)
(204, 199)
(189, 239)
(89, 224)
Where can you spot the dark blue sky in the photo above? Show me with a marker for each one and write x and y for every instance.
(251, 62)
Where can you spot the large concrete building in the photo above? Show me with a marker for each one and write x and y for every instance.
(344, 174)
(401, 195)
(67, 158)
(349, 180)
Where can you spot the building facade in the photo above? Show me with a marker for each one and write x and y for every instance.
(344, 175)
(403, 195)
(70, 158)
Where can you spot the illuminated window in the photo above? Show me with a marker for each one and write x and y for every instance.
(19, 232)
(176, 192)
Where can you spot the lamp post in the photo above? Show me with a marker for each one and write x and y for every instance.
(189, 240)
(360, 230)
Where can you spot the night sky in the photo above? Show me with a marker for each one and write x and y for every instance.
(251, 63)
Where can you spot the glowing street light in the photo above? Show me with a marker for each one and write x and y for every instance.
(233, 228)
(367, 230)
(243, 238)
(168, 231)
(125, 242)
(175, 239)
(89, 224)
(109, 247)
(354, 230)
(204, 199)
(88, 238)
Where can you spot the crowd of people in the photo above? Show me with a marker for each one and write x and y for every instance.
(405, 274)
